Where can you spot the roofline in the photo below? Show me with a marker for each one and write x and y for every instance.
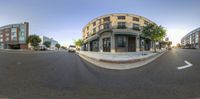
(13, 24)
(191, 32)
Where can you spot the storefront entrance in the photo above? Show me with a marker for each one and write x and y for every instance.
(14, 46)
(131, 44)
(106, 45)
(94, 45)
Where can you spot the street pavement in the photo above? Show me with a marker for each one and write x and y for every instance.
(63, 75)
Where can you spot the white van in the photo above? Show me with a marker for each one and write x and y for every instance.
(72, 48)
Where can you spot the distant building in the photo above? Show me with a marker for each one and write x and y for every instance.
(53, 42)
(192, 39)
(14, 36)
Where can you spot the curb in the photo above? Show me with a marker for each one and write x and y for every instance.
(123, 61)
(121, 65)
(25, 52)
(127, 61)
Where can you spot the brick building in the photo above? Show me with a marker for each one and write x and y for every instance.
(14, 36)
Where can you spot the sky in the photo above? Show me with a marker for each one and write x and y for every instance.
(64, 20)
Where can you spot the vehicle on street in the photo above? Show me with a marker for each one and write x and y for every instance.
(72, 48)
(41, 48)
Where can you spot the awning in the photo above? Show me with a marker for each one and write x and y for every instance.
(126, 33)
(91, 38)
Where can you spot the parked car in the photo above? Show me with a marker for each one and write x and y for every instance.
(72, 48)
(41, 48)
(169, 48)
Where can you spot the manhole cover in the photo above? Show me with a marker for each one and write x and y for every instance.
(19, 63)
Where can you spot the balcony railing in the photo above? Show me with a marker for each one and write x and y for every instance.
(121, 27)
(136, 28)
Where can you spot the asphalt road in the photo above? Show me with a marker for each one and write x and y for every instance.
(62, 75)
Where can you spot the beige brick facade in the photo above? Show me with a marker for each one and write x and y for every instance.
(116, 33)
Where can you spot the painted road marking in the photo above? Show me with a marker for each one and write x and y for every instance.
(186, 66)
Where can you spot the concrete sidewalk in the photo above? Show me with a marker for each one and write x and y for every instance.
(119, 57)
(120, 61)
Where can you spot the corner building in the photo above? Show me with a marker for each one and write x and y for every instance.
(14, 36)
(116, 33)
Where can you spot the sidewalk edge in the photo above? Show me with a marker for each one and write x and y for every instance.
(121, 65)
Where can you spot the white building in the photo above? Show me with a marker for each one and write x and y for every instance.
(53, 42)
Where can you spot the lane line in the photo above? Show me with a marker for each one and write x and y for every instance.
(186, 66)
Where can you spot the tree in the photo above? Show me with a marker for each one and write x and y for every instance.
(34, 40)
(47, 44)
(178, 45)
(163, 44)
(169, 43)
(79, 42)
(154, 32)
(58, 46)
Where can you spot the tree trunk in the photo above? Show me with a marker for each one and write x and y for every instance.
(154, 46)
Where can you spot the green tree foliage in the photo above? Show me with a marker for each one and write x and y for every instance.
(34, 40)
(79, 42)
(169, 43)
(47, 44)
(154, 32)
(58, 46)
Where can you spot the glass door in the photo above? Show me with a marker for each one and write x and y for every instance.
(106, 44)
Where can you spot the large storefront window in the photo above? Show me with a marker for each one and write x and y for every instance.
(95, 45)
(197, 38)
(22, 36)
(14, 34)
(121, 41)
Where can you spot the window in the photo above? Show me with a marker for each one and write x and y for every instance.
(1, 39)
(7, 34)
(136, 19)
(146, 22)
(94, 30)
(7, 38)
(106, 19)
(14, 34)
(121, 25)
(94, 23)
(121, 17)
(136, 27)
(121, 41)
(197, 38)
(22, 36)
(106, 26)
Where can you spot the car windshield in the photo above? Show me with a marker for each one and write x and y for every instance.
(100, 49)
(72, 46)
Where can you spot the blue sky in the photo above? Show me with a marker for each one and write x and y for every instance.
(64, 19)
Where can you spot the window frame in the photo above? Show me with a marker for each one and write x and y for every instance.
(121, 17)
(136, 19)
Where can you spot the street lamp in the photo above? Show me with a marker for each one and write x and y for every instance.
(142, 43)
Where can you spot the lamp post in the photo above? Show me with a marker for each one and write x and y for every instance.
(142, 43)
